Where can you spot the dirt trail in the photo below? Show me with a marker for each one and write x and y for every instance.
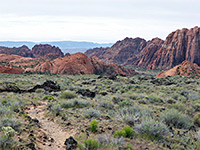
(51, 129)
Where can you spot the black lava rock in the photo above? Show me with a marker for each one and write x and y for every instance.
(70, 143)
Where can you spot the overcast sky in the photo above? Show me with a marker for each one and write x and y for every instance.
(94, 20)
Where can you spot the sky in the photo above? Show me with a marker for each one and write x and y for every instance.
(103, 21)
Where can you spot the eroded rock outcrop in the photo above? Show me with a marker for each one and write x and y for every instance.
(120, 51)
(79, 64)
(46, 50)
(186, 68)
(10, 70)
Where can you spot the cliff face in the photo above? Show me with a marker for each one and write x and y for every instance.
(21, 51)
(179, 46)
(45, 50)
(186, 68)
(155, 54)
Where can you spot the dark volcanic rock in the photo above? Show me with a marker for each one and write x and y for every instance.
(31, 146)
(45, 50)
(86, 92)
(49, 86)
(70, 143)
(163, 81)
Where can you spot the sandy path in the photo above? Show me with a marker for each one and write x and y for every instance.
(50, 128)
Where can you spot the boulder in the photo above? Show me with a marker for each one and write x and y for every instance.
(70, 143)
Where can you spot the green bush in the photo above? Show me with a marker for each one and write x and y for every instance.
(125, 132)
(93, 125)
(91, 144)
(68, 95)
(129, 131)
(119, 133)
(48, 97)
(129, 147)
(177, 119)
(152, 129)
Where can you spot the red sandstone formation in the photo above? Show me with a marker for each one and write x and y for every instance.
(155, 54)
(48, 51)
(10, 70)
(79, 64)
(186, 68)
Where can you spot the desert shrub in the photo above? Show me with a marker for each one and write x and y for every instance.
(92, 113)
(4, 111)
(106, 105)
(125, 132)
(93, 125)
(152, 129)
(197, 120)
(12, 122)
(55, 109)
(109, 140)
(80, 104)
(89, 145)
(154, 99)
(67, 104)
(9, 132)
(68, 95)
(125, 103)
(116, 99)
(7, 143)
(131, 114)
(74, 103)
(176, 119)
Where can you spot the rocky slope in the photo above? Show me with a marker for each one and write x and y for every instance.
(79, 63)
(155, 54)
(10, 70)
(186, 68)
(45, 50)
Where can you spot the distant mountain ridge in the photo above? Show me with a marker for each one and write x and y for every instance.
(65, 46)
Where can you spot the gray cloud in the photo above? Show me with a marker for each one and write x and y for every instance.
(119, 18)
